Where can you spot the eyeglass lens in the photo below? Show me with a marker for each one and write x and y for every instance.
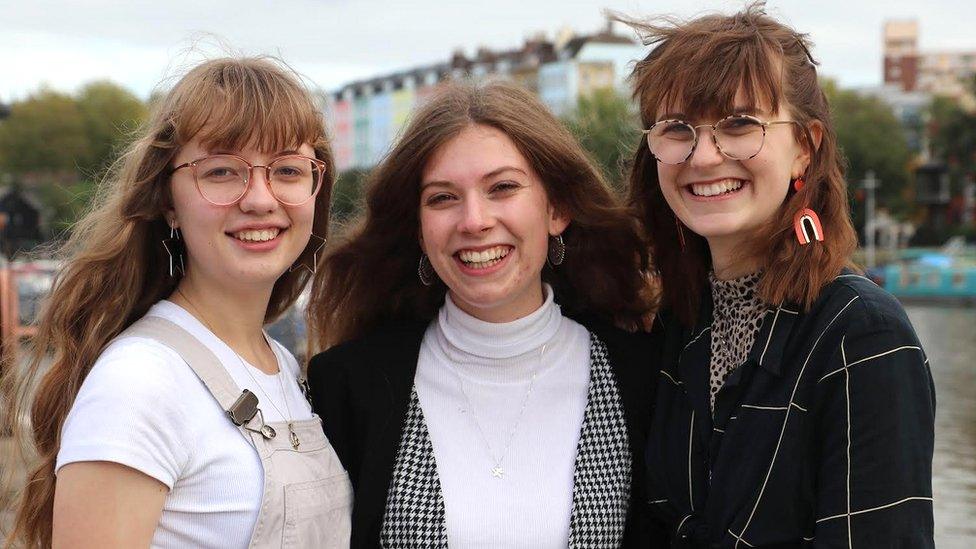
(223, 179)
(672, 141)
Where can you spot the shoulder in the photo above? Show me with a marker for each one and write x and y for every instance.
(626, 349)
(138, 364)
(364, 355)
(134, 408)
(852, 302)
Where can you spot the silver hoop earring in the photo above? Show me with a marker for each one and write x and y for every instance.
(557, 250)
(425, 271)
(175, 264)
(315, 256)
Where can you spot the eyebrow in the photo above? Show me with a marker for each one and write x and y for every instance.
(494, 173)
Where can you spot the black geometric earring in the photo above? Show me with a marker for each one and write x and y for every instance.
(557, 250)
(174, 240)
(315, 256)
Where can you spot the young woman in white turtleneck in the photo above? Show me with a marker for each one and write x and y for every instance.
(478, 414)
(472, 374)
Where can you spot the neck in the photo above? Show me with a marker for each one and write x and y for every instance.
(233, 315)
(727, 262)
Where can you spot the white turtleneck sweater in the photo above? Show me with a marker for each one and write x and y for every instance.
(530, 506)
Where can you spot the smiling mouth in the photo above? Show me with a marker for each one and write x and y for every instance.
(483, 259)
(262, 235)
(725, 186)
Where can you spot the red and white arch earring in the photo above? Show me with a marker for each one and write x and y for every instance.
(806, 224)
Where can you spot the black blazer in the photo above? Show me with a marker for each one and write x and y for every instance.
(361, 390)
(822, 438)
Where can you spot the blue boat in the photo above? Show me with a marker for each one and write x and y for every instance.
(930, 275)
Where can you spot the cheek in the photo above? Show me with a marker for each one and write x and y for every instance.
(302, 216)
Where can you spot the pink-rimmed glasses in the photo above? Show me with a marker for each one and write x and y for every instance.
(223, 179)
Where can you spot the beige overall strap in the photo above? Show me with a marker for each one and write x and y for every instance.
(200, 359)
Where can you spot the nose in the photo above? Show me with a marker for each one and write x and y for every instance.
(706, 153)
(258, 197)
(476, 216)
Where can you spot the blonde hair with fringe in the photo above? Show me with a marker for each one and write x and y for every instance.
(114, 266)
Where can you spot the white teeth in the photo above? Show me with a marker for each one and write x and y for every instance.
(714, 189)
(484, 258)
(262, 235)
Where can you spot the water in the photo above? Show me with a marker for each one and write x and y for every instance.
(949, 338)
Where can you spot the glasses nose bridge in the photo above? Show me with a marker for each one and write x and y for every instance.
(697, 134)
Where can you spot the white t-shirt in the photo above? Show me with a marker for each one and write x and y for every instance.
(142, 406)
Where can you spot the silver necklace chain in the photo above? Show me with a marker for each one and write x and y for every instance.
(292, 436)
(496, 470)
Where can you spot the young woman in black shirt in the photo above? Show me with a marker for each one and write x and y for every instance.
(796, 405)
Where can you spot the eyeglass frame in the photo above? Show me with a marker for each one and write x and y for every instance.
(250, 176)
(694, 131)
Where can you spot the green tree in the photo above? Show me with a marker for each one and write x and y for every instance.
(347, 195)
(606, 124)
(111, 113)
(44, 133)
(952, 131)
(872, 138)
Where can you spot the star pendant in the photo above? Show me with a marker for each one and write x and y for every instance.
(497, 472)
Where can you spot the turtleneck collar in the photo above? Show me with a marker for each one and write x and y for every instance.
(490, 340)
(739, 294)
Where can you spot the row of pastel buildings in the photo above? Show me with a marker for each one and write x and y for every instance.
(366, 115)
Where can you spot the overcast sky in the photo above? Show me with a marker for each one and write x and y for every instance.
(137, 43)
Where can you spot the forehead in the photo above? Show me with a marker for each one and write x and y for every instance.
(476, 151)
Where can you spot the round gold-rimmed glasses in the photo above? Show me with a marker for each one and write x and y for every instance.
(223, 179)
(739, 137)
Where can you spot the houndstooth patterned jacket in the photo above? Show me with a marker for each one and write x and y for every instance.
(415, 506)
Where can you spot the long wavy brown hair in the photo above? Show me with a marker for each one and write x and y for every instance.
(370, 277)
(701, 64)
(114, 266)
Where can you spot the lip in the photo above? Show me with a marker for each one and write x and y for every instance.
(469, 271)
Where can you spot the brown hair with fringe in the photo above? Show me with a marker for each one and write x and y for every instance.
(114, 266)
(370, 277)
(700, 65)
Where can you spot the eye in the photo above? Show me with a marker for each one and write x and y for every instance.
(740, 126)
(504, 186)
(676, 130)
(221, 173)
(439, 198)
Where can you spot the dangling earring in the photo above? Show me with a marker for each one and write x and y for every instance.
(557, 250)
(315, 256)
(174, 238)
(425, 271)
(681, 233)
(806, 225)
(798, 184)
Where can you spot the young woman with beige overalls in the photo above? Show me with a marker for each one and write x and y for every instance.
(164, 415)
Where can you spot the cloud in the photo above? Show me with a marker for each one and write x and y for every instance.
(137, 43)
